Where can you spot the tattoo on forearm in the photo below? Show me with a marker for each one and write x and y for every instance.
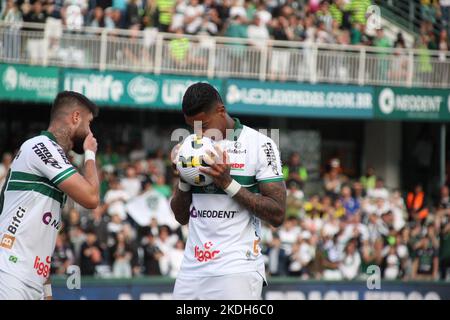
(180, 205)
(269, 206)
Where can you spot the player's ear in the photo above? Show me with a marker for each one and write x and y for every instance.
(221, 110)
(76, 117)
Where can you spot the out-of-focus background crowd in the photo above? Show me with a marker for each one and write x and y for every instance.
(312, 21)
(335, 233)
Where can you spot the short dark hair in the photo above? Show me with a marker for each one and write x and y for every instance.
(200, 97)
(69, 98)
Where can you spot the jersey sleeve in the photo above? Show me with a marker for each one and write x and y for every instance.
(50, 161)
(268, 168)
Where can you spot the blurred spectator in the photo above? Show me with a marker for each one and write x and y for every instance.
(179, 48)
(63, 256)
(97, 18)
(443, 227)
(294, 171)
(289, 233)
(444, 45)
(334, 179)
(302, 256)
(369, 179)
(162, 187)
(152, 255)
(91, 254)
(132, 17)
(193, 16)
(445, 13)
(416, 204)
(278, 259)
(351, 261)
(131, 184)
(10, 12)
(294, 200)
(4, 167)
(429, 10)
(115, 199)
(99, 221)
(331, 259)
(165, 10)
(350, 204)
(391, 264)
(36, 13)
(426, 262)
(121, 254)
(150, 16)
(380, 191)
(176, 258)
(257, 33)
(165, 242)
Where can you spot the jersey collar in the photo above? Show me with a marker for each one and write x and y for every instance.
(237, 126)
(49, 135)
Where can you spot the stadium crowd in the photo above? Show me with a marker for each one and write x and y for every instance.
(337, 233)
(326, 21)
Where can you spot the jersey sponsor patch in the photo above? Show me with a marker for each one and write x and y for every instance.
(270, 157)
(46, 156)
(48, 220)
(8, 238)
(206, 253)
(221, 214)
(42, 266)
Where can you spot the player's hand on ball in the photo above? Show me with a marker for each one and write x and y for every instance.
(219, 168)
(90, 143)
(174, 158)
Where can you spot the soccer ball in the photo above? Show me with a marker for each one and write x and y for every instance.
(191, 158)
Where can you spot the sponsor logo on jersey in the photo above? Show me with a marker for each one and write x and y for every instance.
(42, 267)
(206, 253)
(237, 166)
(9, 238)
(237, 149)
(46, 156)
(61, 152)
(7, 241)
(221, 214)
(270, 157)
(48, 220)
(13, 259)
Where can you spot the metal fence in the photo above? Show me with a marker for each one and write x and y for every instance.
(152, 52)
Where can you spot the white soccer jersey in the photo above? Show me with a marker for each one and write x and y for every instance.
(30, 209)
(224, 236)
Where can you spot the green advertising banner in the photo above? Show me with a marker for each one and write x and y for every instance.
(297, 99)
(27, 83)
(131, 89)
(412, 104)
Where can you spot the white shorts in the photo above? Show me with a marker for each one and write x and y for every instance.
(12, 288)
(236, 286)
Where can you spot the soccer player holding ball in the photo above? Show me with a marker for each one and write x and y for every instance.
(36, 188)
(223, 259)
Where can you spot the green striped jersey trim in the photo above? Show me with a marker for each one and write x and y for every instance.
(216, 190)
(277, 179)
(40, 187)
(29, 177)
(63, 175)
(246, 181)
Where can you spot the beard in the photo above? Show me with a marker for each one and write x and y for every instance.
(78, 145)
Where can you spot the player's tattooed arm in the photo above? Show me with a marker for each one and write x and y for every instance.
(180, 204)
(269, 205)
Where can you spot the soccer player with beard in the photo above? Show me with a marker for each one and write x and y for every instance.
(35, 191)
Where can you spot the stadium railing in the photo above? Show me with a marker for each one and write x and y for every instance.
(150, 51)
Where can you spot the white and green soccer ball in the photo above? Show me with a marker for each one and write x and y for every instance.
(191, 157)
